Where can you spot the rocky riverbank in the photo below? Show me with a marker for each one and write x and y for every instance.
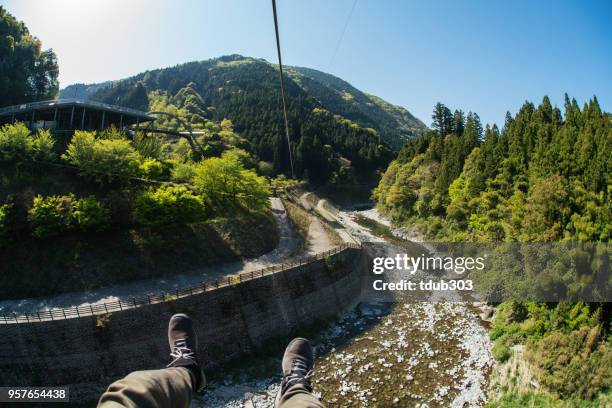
(406, 354)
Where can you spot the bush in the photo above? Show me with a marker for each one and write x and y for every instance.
(265, 168)
(54, 215)
(18, 144)
(501, 350)
(111, 133)
(537, 400)
(51, 215)
(15, 143)
(89, 214)
(116, 158)
(80, 151)
(96, 158)
(149, 146)
(577, 364)
(168, 205)
(152, 169)
(242, 156)
(42, 146)
(183, 172)
(225, 184)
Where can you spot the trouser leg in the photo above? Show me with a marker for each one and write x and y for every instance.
(298, 396)
(168, 387)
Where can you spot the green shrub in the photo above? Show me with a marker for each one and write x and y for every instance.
(54, 215)
(152, 169)
(573, 365)
(265, 168)
(501, 350)
(51, 215)
(538, 400)
(18, 144)
(115, 157)
(519, 321)
(168, 205)
(89, 214)
(111, 133)
(96, 158)
(80, 150)
(183, 172)
(149, 146)
(242, 156)
(42, 146)
(15, 143)
(225, 184)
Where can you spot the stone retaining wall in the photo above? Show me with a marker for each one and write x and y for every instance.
(88, 353)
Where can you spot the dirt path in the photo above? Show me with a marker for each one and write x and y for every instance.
(318, 239)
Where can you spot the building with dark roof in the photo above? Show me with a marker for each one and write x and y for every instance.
(68, 115)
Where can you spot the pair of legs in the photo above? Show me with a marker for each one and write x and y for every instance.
(174, 386)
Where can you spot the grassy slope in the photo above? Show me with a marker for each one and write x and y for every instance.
(88, 261)
(83, 261)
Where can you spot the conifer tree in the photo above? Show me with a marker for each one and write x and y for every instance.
(442, 119)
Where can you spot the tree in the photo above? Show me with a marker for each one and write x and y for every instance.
(99, 158)
(472, 134)
(17, 144)
(246, 92)
(442, 119)
(168, 205)
(458, 122)
(27, 73)
(226, 185)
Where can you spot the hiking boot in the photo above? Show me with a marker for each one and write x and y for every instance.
(297, 366)
(183, 343)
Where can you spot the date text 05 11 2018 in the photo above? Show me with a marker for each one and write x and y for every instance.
(34, 394)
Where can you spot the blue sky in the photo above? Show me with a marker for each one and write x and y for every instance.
(484, 56)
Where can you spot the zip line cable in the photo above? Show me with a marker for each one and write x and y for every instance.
(282, 85)
(346, 23)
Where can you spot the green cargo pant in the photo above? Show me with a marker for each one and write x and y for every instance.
(172, 388)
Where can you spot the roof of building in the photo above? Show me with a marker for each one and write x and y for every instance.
(63, 103)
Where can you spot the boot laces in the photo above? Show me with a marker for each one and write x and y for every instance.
(300, 374)
(181, 351)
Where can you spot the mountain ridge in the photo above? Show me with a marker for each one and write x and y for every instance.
(394, 122)
(329, 120)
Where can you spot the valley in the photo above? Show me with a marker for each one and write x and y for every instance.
(384, 354)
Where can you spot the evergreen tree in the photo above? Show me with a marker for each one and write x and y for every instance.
(442, 119)
(458, 122)
(472, 134)
(546, 176)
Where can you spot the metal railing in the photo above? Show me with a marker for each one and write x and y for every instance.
(139, 301)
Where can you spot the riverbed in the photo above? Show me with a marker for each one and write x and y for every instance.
(423, 354)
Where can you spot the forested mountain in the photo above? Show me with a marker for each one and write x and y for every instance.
(82, 91)
(394, 123)
(326, 123)
(545, 176)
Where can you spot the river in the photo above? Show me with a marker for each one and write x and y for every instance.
(419, 354)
